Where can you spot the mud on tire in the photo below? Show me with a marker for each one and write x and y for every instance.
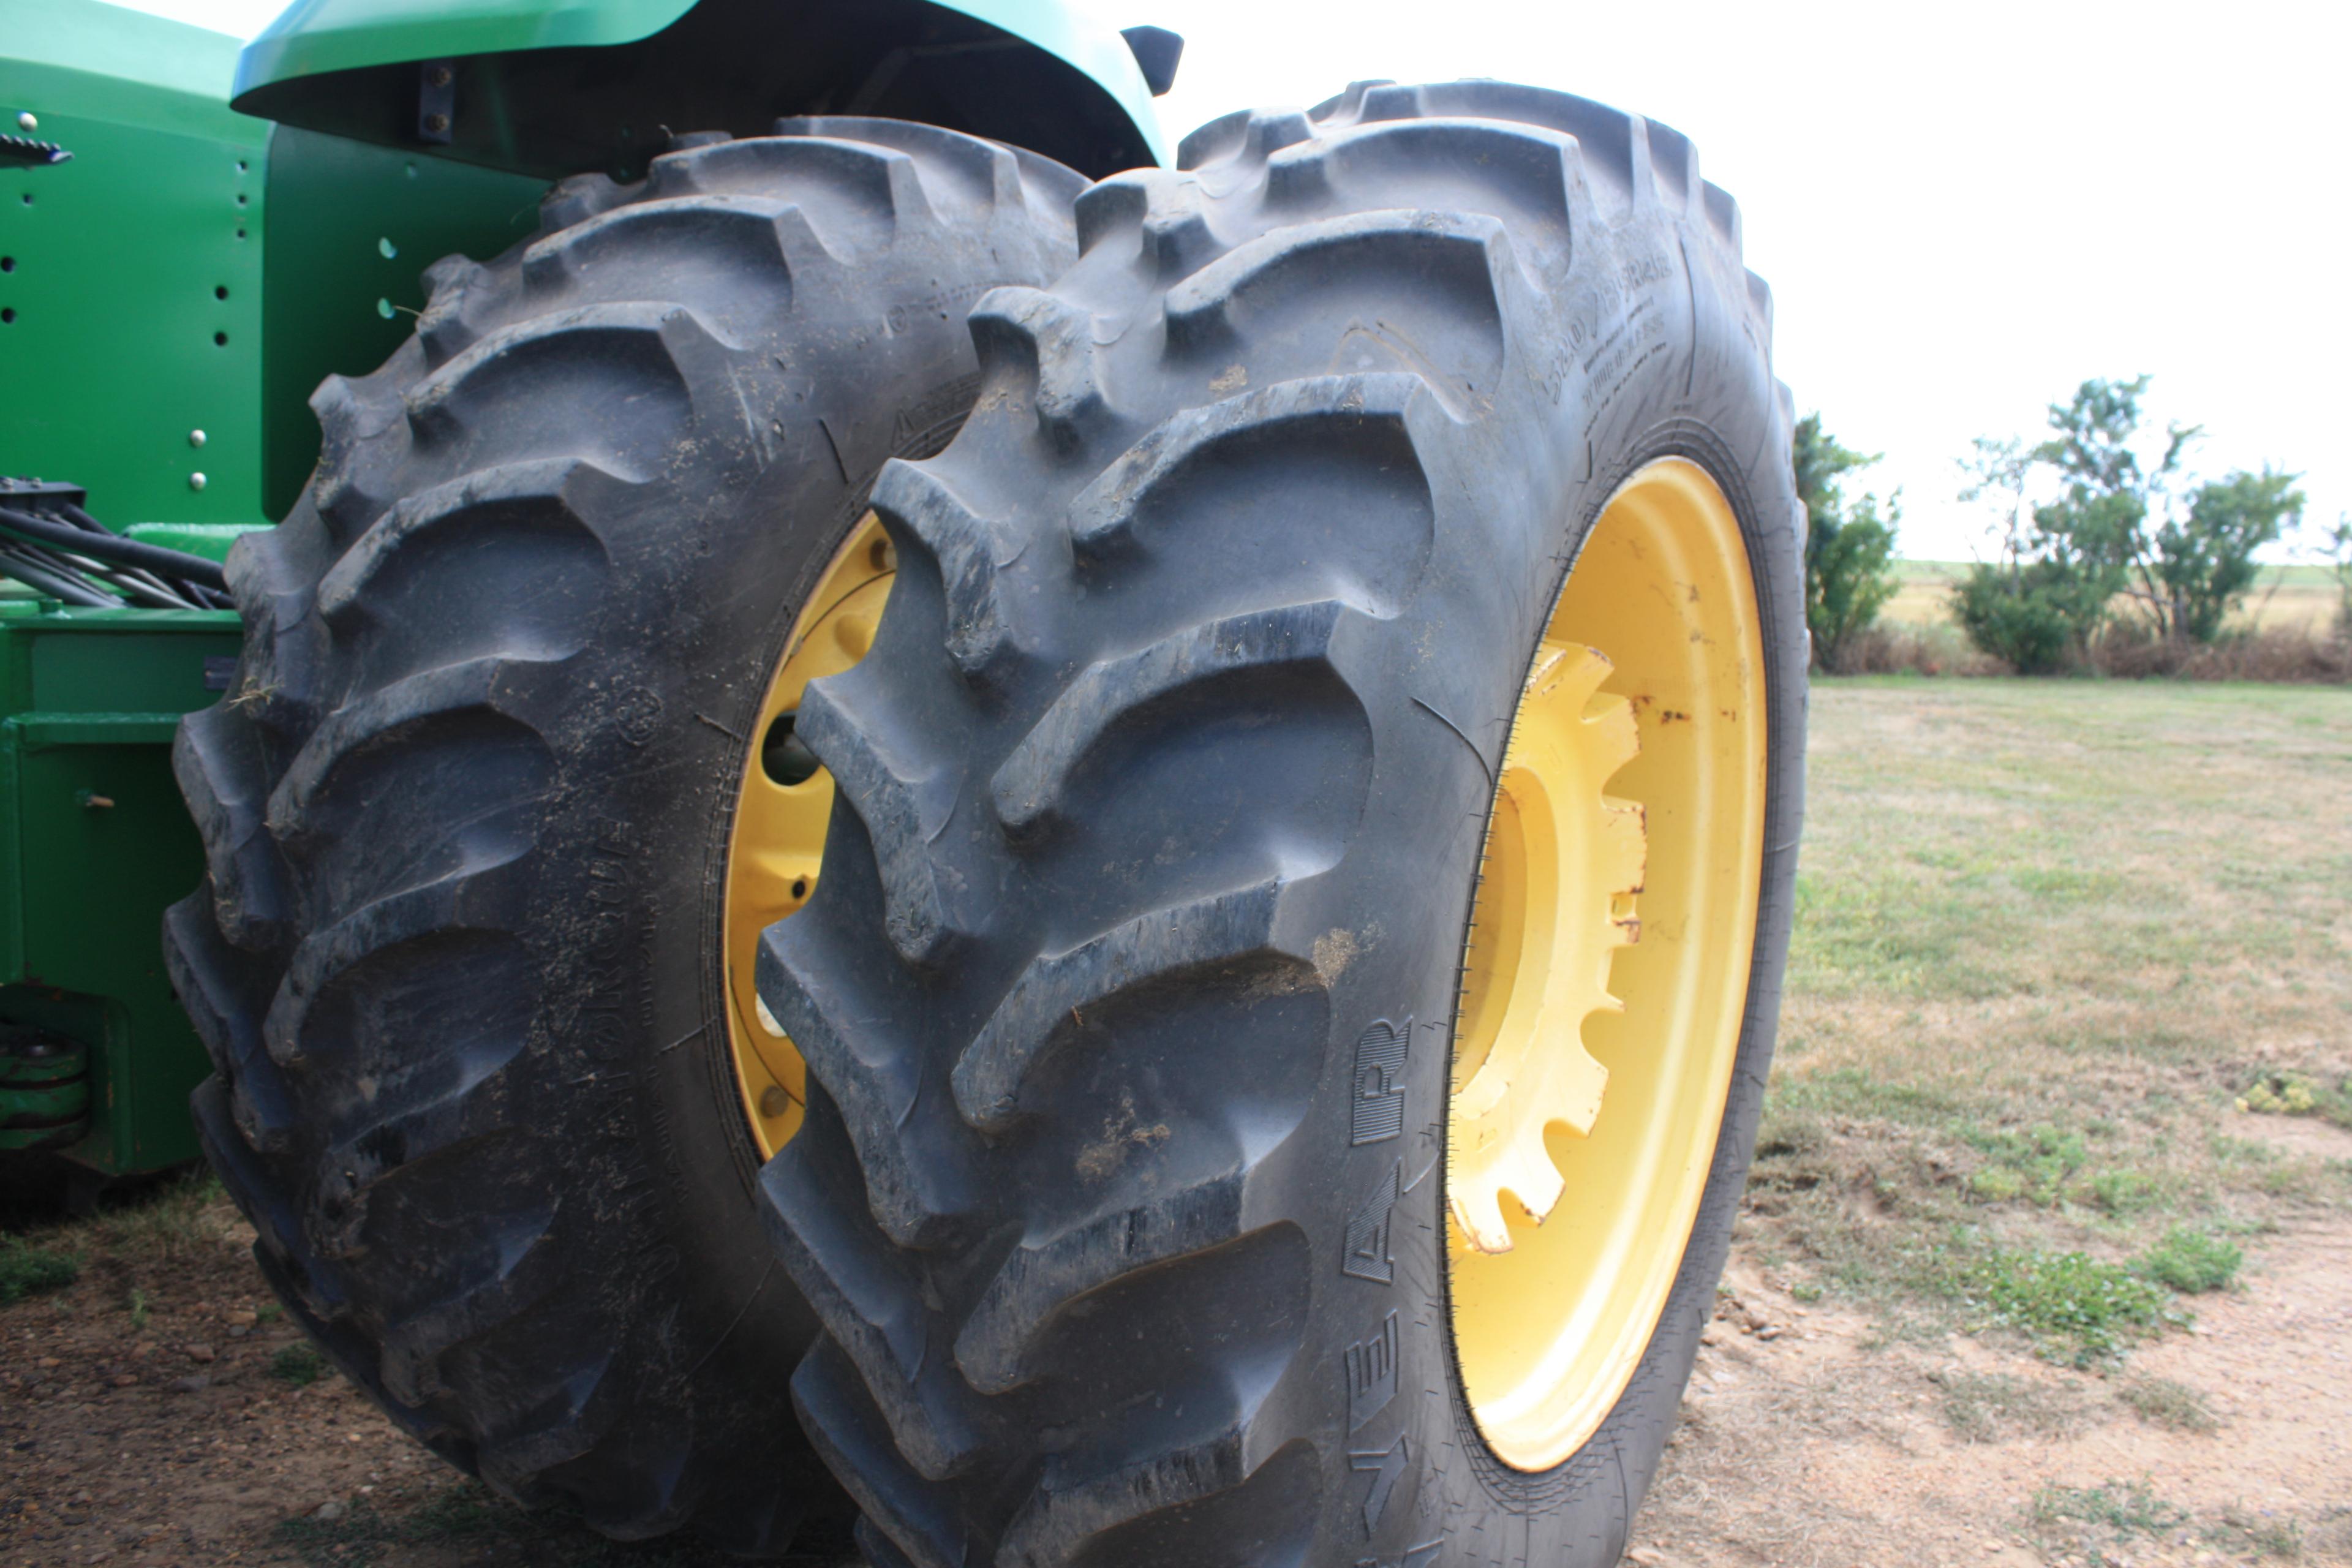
(1164, 785)
(465, 805)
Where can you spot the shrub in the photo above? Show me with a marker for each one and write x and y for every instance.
(2035, 616)
(1849, 545)
(2115, 530)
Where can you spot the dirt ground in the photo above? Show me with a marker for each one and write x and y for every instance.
(162, 1411)
(168, 1438)
(1824, 1445)
(2051, 936)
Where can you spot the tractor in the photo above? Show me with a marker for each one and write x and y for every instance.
(868, 799)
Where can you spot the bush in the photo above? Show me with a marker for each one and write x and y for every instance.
(2116, 533)
(2035, 616)
(1849, 545)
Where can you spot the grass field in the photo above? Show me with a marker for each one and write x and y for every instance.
(2295, 596)
(2048, 936)
(2063, 1065)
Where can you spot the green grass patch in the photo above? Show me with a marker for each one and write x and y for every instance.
(1854, 1092)
(2191, 1261)
(2033, 1164)
(2075, 1307)
(1894, 933)
(298, 1364)
(2126, 1508)
(29, 1270)
(2121, 1193)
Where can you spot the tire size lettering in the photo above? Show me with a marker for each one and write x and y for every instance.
(1369, 1253)
(1386, 1466)
(1372, 1371)
(1379, 1110)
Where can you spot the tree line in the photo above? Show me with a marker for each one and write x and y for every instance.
(2105, 535)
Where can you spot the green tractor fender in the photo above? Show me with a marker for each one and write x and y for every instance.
(562, 86)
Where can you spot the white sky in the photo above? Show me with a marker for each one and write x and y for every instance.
(1963, 209)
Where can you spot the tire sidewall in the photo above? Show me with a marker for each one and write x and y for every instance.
(1714, 404)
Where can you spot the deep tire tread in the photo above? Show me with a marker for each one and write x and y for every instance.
(1074, 533)
(368, 961)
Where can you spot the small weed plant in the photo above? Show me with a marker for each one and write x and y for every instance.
(2126, 1508)
(2191, 1261)
(2032, 1164)
(2243, 1529)
(28, 1270)
(2075, 1307)
(2160, 1402)
(2121, 1193)
(1984, 1407)
(2293, 1094)
(298, 1364)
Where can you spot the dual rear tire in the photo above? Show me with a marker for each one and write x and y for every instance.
(1124, 1212)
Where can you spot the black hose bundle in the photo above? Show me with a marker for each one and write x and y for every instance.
(52, 546)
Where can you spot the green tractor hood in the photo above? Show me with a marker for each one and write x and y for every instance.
(559, 87)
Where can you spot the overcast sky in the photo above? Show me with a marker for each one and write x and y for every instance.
(1963, 210)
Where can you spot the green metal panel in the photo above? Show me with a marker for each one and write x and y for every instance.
(195, 270)
(311, 37)
(128, 66)
(130, 276)
(352, 228)
(94, 844)
(562, 86)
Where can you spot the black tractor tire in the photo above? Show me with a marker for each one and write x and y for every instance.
(1163, 787)
(465, 806)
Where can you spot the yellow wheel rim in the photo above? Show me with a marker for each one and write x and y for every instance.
(1606, 973)
(780, 812)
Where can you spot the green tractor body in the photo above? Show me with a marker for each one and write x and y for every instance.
(177, 275)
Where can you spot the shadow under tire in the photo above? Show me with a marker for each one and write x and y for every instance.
(1122, 1196)
(465, 806)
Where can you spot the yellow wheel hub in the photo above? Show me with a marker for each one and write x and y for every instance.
(781, 813)
(1605, 977)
